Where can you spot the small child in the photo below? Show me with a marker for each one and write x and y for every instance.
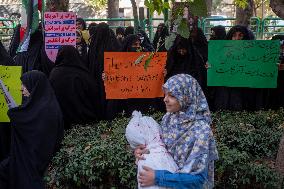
(145, 130)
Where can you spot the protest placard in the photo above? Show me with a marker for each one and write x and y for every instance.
(243, 63)
(10, 75)
(127, 79)
(59, 29)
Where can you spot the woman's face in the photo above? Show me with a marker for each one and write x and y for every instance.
(213, 34)
(119, 36)
(135, 46)
(172, 104)
(160, 29)
(78, 39)
(25, 91)
(182, 51)
(238, 36)
(79, 26)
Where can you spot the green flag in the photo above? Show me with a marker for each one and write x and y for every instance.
(29, 22)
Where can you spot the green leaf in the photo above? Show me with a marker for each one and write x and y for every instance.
(147, 3)
(241, 3)
(139, 59)
(178, 20)
(183, 29)
(148, 60)
(166, 5)
(169, 41)
(198, 8)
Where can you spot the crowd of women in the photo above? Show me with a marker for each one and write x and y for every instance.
(74, 85)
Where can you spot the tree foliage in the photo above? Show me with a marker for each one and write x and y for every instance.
(98, 4)
(156, 5)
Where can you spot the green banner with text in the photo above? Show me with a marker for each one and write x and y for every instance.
(243, 63)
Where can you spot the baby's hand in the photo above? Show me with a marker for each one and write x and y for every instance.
(139, 151)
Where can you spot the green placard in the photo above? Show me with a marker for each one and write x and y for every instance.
(243, 63)
(10, 75)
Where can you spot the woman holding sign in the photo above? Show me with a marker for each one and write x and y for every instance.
(37, 130)
(237, 98)
(133, 45)
(186, 133)
(5, 60)
(103, 40)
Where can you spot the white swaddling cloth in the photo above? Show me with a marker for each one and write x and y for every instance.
(145, 130)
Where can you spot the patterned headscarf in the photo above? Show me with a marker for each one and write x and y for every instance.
(187, 133)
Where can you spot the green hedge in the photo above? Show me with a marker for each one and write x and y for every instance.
(98, 155)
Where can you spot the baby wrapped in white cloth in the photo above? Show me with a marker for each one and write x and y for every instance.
(145, 130)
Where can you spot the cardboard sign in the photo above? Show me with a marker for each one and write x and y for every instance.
(126, 79)
(59, 29)
(10, 75)
(243, 63)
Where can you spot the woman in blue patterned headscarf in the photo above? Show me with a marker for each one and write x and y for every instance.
(186, 132)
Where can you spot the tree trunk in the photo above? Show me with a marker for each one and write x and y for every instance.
(243, 15)
(277, 7)
(135, 15)
(57, 5)
(280, 157)
(255, 10)
(209, 7)
(113, 11)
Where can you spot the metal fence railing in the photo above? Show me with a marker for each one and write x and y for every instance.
(262, 28)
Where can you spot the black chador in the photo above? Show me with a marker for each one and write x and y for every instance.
(5, 60)
(37, 131)
(35, 57)
(74, 87)
(184, 57)
(103, 40)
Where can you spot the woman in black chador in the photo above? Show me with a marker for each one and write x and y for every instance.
(160, 36)
(37, 131)
(145, 41)
(120, 35)
(276, 95)
(218, 33)
(129, 30)
(132, 43)
(82, 47)
(74, 87)
(103, 40)
(185, 58)
(236, 98)
(5, 60)
(35, 57)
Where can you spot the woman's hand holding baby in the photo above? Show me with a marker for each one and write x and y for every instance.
(146, 177)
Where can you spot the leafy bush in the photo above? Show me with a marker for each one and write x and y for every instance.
(98, 155)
